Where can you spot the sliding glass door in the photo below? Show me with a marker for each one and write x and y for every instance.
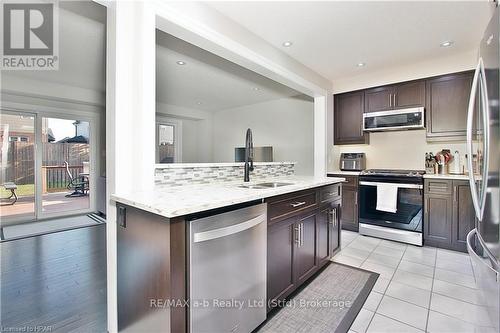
(65, 167)
(46, 165)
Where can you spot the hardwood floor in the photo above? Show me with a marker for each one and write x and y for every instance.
(56, 282)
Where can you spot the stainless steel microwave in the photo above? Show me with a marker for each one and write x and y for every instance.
(394, 120)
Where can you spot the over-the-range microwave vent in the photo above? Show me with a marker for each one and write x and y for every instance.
(394, 120)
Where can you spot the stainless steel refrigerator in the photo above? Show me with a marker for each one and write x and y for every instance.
(483, 140)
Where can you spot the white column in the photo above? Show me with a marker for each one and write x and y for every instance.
(130, 116)
(320, 135)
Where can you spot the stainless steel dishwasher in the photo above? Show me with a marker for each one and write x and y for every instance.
(227, 271)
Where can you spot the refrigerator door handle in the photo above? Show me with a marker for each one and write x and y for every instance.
(494, 264)
(486, 134)
(479, 79)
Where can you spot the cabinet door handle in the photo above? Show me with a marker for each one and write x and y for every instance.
(390, 99)
(297, 204)
(356, 199)
(296, 236)
(394, 100)
(454, 194)
(335, 219)
(301, 234)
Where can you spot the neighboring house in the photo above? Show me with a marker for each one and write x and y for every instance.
(82, 128)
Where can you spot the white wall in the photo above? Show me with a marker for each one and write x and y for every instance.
(196, 131)
(205, 27)
(401, 149)
(286, 124)
(396, 150)
(14, 85)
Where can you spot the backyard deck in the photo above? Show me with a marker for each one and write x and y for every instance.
(51, 203)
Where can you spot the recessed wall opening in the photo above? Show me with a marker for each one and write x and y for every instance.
(205, 104)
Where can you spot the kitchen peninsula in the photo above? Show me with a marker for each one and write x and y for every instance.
(171, 239)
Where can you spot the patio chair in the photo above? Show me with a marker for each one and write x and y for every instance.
(12, 187)
(79, 185)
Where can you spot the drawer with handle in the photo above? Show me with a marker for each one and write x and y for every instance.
(288, 205)
(350, 180)
(438, 186)
(329, 193)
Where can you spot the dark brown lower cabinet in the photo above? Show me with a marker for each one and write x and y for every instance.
(298, 246)
(349, 201)
(280, 250)
(350, 209)
(464, 217)
(156, 245)
(334, 227)
(292, 253)
(328, 231)
(437, 220)
(449, 214)
(306, 259)
(323, 240)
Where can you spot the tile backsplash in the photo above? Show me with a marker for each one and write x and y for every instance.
(204, 174)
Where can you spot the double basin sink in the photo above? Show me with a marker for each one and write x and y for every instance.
(265, 185)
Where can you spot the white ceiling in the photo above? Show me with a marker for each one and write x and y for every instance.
(82, 47)
(208, 82)
(332, 37)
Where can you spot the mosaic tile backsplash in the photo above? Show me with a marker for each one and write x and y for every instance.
(210, 174)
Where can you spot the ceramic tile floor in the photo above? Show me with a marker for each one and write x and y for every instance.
(420, 289)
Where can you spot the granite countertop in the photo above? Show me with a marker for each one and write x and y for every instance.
(340, 172)
(447, 176)
(183, 200)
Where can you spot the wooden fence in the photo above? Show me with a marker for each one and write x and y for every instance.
(21, 163)
(56, 178)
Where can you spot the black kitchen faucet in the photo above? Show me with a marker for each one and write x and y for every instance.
(248, 155)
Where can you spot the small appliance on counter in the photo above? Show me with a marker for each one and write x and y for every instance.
(260, 154)
(352, 161)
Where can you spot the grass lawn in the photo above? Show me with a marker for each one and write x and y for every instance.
(22, 190)
(27, 190)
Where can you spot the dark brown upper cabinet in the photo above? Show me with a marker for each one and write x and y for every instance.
(446, 106)
(378, 99)
(397, 96)
(409, 94)
(348, 118)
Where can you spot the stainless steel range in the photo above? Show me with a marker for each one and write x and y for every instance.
(391, 204)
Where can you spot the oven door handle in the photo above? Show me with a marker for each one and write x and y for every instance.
(400, 185)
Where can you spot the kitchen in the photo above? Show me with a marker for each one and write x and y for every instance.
(261, 179)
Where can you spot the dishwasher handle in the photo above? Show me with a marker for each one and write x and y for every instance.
(227, 231)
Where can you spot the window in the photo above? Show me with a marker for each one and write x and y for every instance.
(168, 141)
(18, 139)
